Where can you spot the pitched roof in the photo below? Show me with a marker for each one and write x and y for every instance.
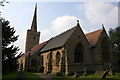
(39, 46)
(93, 37)
(35, 49)
(58, 40)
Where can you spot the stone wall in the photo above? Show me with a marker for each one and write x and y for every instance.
(55, 67)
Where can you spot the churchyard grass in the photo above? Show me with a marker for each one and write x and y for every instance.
(14, 75)
(31, 75)
(10, 75)
(89, 77)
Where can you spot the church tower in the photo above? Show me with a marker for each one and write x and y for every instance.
(32, 38)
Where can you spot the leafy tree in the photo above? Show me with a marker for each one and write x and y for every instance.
(8, 49)
(115, 37)
(2, 2)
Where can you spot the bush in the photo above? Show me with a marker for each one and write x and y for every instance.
(59, 73)
(41, 69)
(48, 72)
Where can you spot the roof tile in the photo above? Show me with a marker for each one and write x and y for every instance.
(34, 49)
(93, 37)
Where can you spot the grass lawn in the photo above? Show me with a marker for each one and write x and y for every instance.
(10, 75)
(13, 76)
(89, 77)
(30, 75)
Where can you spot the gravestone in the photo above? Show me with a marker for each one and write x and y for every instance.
(75, 75)
(104, 74)
(99, 72)
(110, 70)
(85, 72)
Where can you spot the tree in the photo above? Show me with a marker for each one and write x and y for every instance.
(8, 50)
(2, 2)
(115, 38)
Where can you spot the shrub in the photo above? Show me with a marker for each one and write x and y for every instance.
(41, 69)
(48, 72)
(59, 73)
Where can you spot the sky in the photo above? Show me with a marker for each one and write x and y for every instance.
(56, 17)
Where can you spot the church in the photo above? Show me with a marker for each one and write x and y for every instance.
(69, 52)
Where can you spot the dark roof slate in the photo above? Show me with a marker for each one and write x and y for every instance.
(58, 40)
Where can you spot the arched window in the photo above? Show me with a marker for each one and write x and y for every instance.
(58, 57)
(78, 54)
(105, 49)
(49, 56)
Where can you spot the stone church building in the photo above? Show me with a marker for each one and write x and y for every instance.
(68, 52)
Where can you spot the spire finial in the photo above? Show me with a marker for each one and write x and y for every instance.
(78, 23)
(36, 6)
(102, 25)
(103, 28)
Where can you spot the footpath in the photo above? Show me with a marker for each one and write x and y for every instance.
(45, 76)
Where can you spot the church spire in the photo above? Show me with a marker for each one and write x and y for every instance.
(33, 36)
(34, 22)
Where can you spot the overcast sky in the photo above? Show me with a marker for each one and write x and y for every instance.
(56, 17)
